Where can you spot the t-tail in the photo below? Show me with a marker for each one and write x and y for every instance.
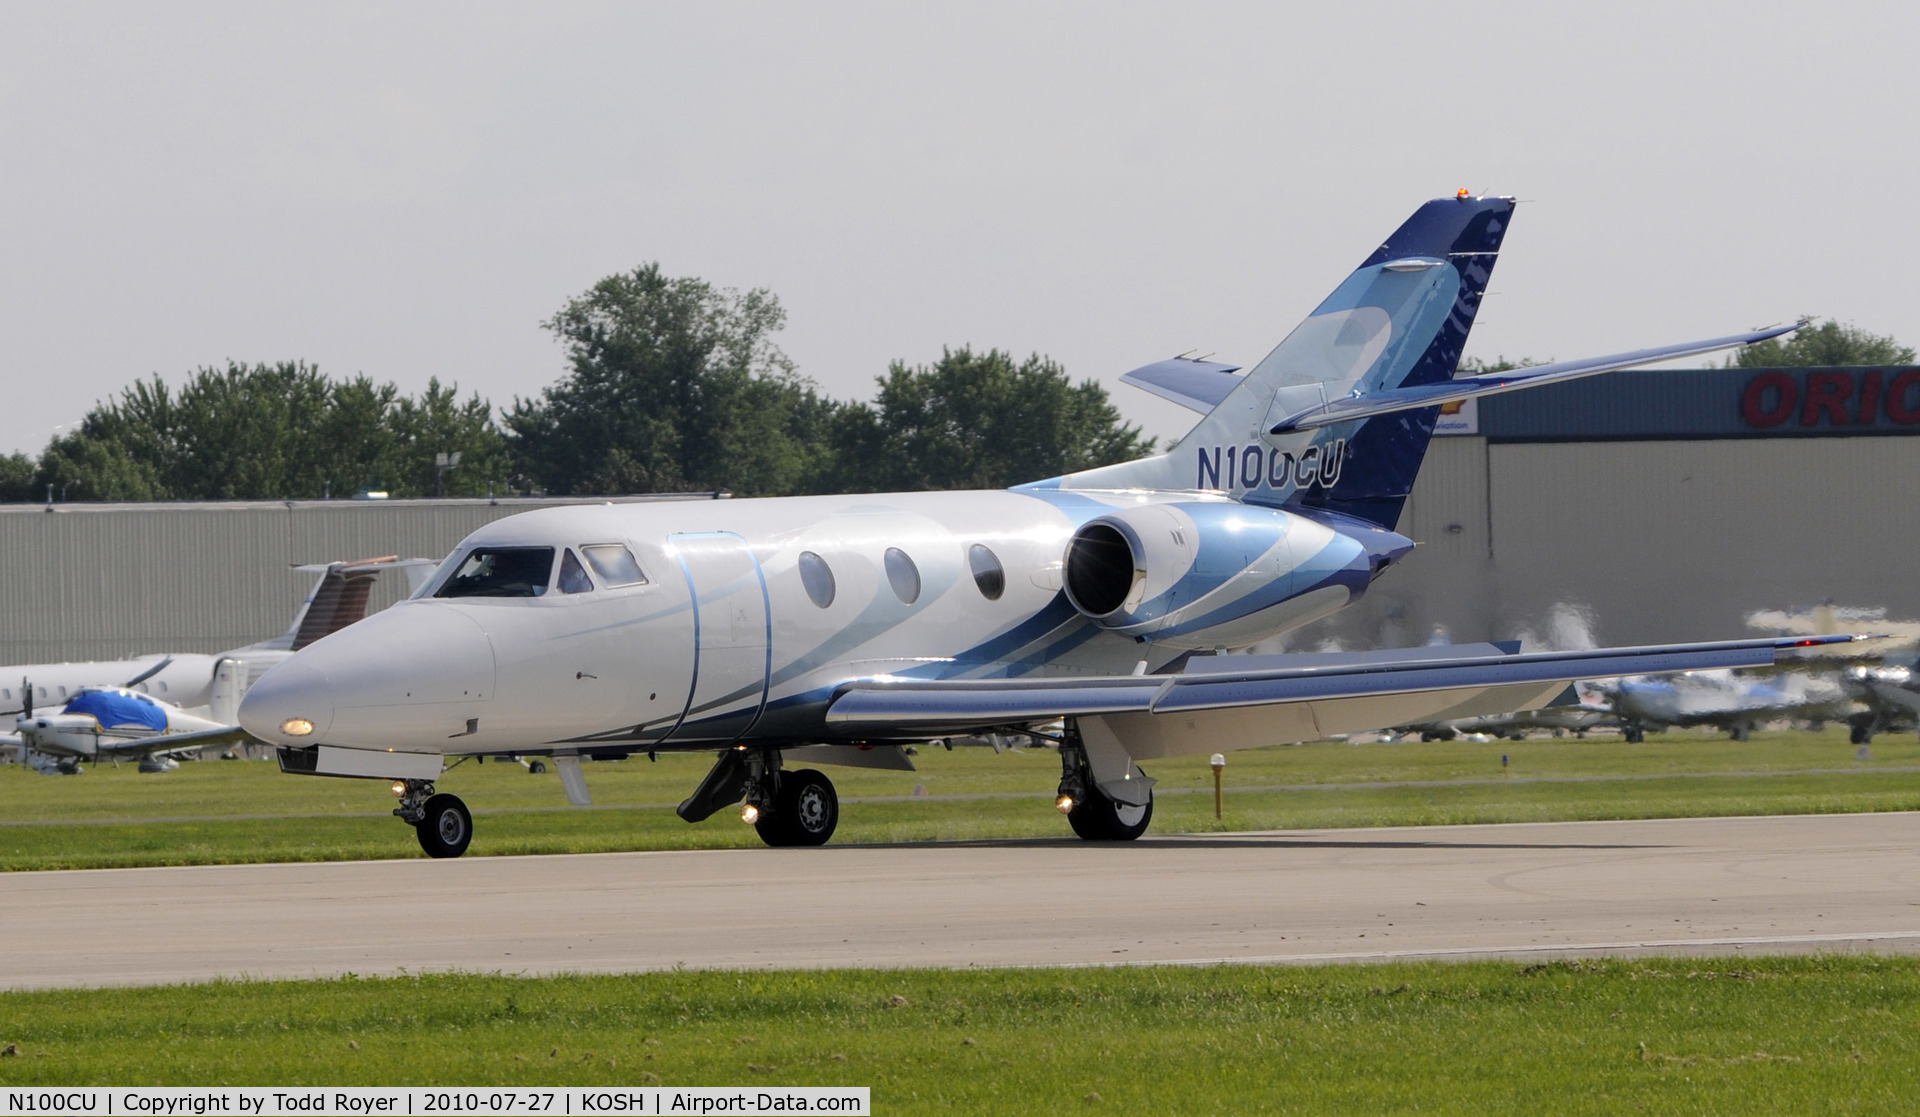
(1336, 420)
(1400, 320)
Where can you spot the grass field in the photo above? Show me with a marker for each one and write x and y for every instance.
(1665, 1036)
(213, 812)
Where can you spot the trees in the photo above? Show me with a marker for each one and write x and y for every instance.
(270, 432)
(1829, 343)
(978, 421)
(673, 385)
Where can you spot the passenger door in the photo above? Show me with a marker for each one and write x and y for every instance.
(732, 636)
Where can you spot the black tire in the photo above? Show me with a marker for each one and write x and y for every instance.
(1099, 819)
(1635, 735)
(1740, 733)
(447, 829)
(1858, 735)
(537, 767)
(805, 811)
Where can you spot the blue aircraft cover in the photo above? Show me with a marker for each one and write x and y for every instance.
(118, 710)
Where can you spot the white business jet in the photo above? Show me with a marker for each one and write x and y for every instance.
(836, 628)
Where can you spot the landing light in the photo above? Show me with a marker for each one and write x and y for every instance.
(1064, 804)
(399, 787)
(296, 727)
(749, 814)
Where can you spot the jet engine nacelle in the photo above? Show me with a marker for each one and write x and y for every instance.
(1204, 574)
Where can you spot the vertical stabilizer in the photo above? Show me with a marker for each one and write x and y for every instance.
(1401, 319)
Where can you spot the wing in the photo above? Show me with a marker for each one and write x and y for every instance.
(1387, 402)
(1229, 702)
(163, 744)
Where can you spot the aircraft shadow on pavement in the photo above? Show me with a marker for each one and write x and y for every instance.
(1238, 841)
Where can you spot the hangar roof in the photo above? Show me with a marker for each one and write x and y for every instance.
(1709, 403)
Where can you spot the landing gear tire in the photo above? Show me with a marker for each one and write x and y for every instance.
(1740, 733)
(1635, 735)
(804, 812)
(537, 767)
(1100, 819)
(447, 829)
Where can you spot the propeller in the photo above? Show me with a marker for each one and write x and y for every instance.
(26, 696)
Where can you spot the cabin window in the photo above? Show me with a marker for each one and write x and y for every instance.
(573, 576)
(614, 565)
(903, 575)
(817, 577)
(988, 574)
(501, 572)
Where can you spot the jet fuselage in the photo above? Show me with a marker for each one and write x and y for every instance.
(752, 612)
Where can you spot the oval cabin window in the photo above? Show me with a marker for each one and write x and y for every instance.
(817, 577)
(988, 574)
(902, 575)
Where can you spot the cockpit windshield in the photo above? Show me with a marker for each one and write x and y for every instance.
(501, 572)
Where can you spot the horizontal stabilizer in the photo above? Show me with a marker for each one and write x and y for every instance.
(1411, 398)
(908, 708)
(1198, 385)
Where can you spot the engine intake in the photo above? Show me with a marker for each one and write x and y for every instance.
(1202, 574)
(1101, 569)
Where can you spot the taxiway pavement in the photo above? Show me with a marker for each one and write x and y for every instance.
(1761, 885)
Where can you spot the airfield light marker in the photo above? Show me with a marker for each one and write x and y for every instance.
(1219, 762)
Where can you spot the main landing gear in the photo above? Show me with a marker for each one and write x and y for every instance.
(1093, 813)
(797, 808)
(442, 822)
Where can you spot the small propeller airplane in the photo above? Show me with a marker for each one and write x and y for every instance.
(834, 629)
(114, 723)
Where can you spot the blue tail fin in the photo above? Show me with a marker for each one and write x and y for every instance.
(1381, 457)
(1401, 319)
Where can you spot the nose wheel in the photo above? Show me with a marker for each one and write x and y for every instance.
(441, 822)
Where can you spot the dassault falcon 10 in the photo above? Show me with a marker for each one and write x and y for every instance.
(1083, 609)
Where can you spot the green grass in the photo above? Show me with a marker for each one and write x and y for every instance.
(214, 812)
(1781, 1035)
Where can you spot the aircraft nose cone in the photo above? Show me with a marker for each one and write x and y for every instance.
(359, 685)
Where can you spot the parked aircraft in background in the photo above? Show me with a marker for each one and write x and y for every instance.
(197, 686)
(1579, 709)
(1737, 703)
(120, 724)
(836, 628)
(1891, 695)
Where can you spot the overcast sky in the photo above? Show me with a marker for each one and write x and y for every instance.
(408, 190)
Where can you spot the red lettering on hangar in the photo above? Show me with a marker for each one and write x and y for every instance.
(1831, 397)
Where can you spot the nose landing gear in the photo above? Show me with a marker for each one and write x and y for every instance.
(442, 822)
